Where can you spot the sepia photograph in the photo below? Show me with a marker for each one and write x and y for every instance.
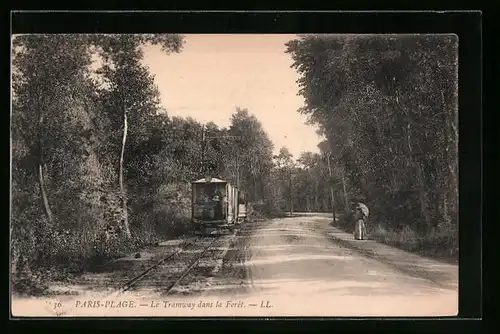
(234, 175)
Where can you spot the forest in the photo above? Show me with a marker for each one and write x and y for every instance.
(388, 107)
(100, 169)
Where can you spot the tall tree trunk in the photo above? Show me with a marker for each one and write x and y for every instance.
(344, 188)
(291, 193)
(452, 154)
(422, 195)
(445, 208)
(41, 182)
(316, 206)
(237, 168)
(326, 205)
(453, 175)
(420, 180)
(45, 200)
(254, 182)
(122, 187)
(331, 187)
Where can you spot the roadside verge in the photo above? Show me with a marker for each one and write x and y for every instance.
(442, 274)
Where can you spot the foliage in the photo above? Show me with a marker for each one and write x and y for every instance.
(66, 135)
(388, 106)
(255, 150)
(67, 132)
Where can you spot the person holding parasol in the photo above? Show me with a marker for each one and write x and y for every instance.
(360, 219)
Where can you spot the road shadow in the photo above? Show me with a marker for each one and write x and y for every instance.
(425, 268)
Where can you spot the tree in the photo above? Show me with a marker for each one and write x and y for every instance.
(255, 153)
(45, 82)
(314, 171)
(68, 139)
(286, 166)
(385, 103)
(54, 147)
(131, 93)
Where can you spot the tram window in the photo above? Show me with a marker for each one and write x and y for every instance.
(241, 198)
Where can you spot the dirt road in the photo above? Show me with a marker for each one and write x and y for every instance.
(295, 265)
(298, 266)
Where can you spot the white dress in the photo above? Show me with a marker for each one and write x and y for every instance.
(359, 227)
(359, 230)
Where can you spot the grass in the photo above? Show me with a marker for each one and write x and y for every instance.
(439, 243)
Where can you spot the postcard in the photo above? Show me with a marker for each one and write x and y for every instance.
(169, 175)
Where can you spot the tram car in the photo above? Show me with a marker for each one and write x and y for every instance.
(217, 206)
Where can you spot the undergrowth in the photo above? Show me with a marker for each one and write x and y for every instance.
(61, 256)
(438, 242)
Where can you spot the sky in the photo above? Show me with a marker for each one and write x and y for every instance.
(214, 74)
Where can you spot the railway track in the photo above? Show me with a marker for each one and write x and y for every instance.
(167, 273)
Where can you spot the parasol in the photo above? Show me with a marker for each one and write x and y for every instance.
(364, 209)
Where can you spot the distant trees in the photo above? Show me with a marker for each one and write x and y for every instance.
(255, 152)
(285, 169)
(388, 107)
(302, 184)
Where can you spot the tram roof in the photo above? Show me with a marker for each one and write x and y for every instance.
(212, 180)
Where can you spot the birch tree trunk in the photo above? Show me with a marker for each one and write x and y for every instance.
(452, 154)
(122, 186)
(344, 188)
(45, 200)
(41, 182)
(420, 180)
(332, 197)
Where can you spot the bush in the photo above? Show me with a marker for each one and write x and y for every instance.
(26, 273)
(346, 222)
(75, 251)
(406, 238)
(41, 253)
(439, 242)
(442, 240)
(28, 282)
(263, 211)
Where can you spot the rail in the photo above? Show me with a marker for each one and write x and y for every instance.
(132, 282)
